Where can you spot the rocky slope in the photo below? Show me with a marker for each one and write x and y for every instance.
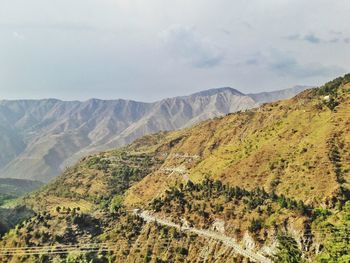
(274, 180)
(40, 138)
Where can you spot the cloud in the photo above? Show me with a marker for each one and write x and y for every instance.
(188, 44)
(283, 64)
(311, 38)
(293, 37)
(334, 32)
(286, 65)
(314, 39)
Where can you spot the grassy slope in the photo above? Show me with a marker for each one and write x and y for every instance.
(283, 146)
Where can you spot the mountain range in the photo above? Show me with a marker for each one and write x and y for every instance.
(40, 138)
(270, 184)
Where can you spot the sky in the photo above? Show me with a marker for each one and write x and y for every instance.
(148, 50)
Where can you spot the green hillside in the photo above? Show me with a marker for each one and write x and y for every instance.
(17, 187)
(268, 184)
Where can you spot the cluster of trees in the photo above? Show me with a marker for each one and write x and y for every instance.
(332, 87)
(93, 161)
(288, 250)
(67, 210)
(291, 204)
(335, 158)
(209, 189)
(337, 245)
(120, 172)
(124, 175)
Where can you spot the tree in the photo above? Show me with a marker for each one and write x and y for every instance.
(255, 225)
(288, 250)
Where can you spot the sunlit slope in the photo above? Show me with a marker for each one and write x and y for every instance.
(287, 147)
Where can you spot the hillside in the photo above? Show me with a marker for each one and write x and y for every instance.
(39, 138)
(13, 188)
(269, 184)
(17, 187)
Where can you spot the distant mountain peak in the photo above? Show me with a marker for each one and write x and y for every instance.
(211, 92)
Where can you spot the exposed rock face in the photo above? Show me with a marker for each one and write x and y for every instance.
(219, 226)
(248, 241)
(39, 138)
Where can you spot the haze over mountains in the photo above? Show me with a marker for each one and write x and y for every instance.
(39, 138)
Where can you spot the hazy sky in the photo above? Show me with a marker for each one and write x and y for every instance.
(151, 49)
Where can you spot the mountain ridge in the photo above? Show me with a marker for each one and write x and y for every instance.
(42, 137)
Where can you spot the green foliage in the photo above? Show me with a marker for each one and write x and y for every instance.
(337, 247)
(320, 214)
(77, 258)
(288, 250)
(255, 225)
(331, 87)
(13, 188)
(114, 173)
(116, 203)
(331, 103)
(4, 198)
(93, 161)
(209, 189)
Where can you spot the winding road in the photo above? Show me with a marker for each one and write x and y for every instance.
(227, 241)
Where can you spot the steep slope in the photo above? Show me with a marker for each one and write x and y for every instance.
(40, 138)
(272, 182)
(281, 146)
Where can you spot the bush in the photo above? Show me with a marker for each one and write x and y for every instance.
(255, 225)
(116, 203)
(182, 251)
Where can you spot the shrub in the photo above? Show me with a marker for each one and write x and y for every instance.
(255, 225)
(116, 203)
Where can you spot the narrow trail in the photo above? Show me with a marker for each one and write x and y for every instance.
(227, 241)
